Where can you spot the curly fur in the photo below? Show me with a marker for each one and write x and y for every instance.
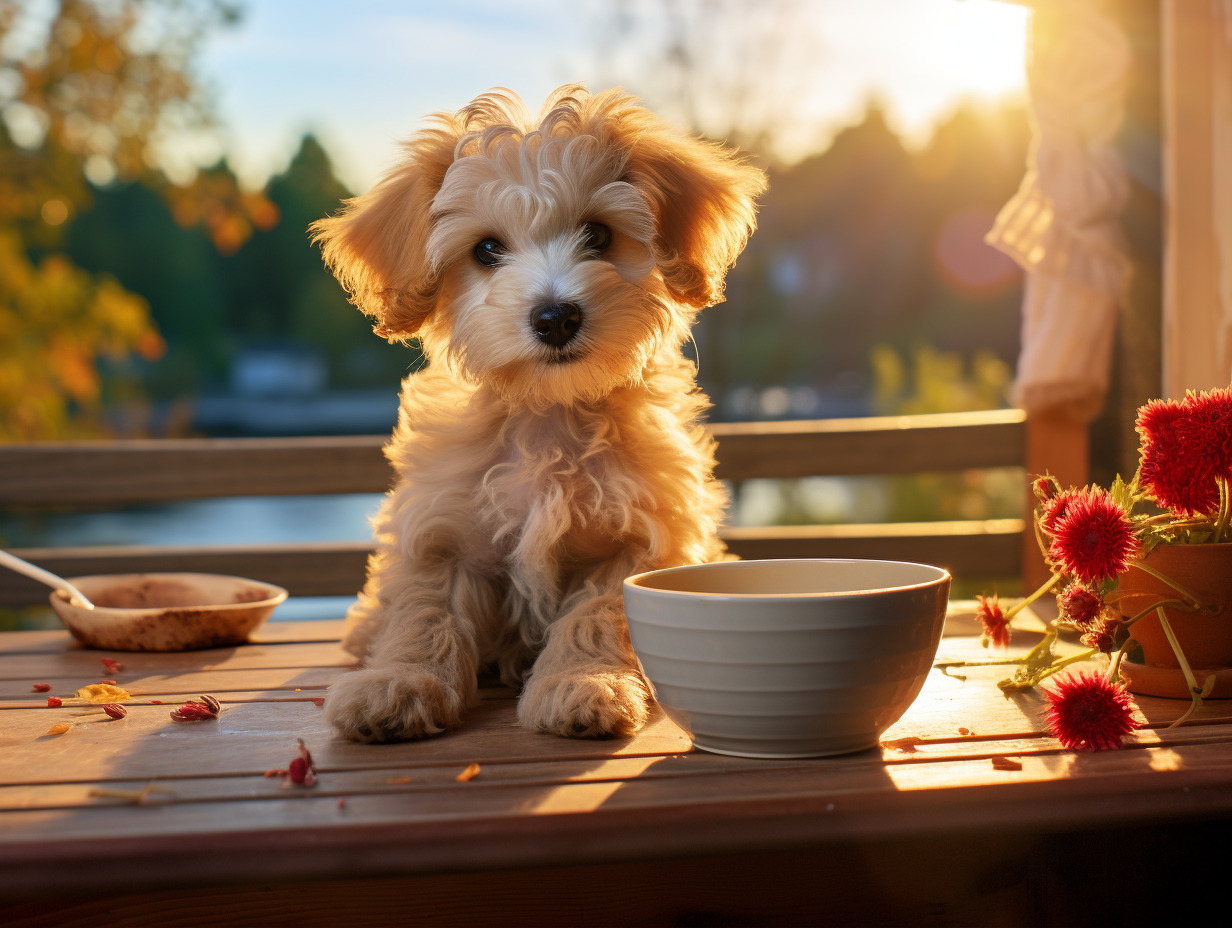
(531, 479)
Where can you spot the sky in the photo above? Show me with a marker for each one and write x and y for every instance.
(362, 75)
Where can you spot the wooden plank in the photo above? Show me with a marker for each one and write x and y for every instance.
(581, 786)
(528, 823)
(87, 662)
(1044, 753)
(99, 749)
(874, 445)
(158, 470)
(302, 568)
(131, 471)
(973, 549)
(250, 738)
(539, 800)
(187, 683)
(53, 641)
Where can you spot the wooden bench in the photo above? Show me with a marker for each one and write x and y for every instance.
(91, 475)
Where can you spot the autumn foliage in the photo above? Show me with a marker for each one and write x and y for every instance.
(93, 91)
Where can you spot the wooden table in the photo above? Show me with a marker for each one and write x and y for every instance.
(968, 813)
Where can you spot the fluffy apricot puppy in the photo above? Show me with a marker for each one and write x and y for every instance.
(551, 268)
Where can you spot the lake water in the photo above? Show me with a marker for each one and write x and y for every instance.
(251, 520)
(292, 519)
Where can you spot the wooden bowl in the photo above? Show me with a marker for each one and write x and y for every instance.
(166, 611)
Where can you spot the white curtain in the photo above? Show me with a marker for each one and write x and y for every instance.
(1061, 226)
(1197, 96)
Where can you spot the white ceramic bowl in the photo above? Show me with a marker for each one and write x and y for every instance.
(787, 658)
(166, 611)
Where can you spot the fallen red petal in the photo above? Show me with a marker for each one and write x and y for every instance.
(193, 712)
(42, 687)
(54, 702)
(298, 771)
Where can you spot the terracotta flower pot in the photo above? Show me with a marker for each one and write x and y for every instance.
(1205, 636)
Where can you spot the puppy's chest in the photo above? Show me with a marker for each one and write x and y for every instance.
(545, 495)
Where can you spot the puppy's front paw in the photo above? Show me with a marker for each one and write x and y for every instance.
(585, 705)
(392, 704)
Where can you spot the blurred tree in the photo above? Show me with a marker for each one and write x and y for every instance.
(56, 323)
(871, 242)
(731, 69)
(93, 92)
(131, 234)
(277, 285)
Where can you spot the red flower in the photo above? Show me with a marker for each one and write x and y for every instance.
(1080, 605)
(1045, 487)
(1087, 711)
(1102, 636)
(1179, 461)
(996, 626)
(1054, 509)
(1209, 424)
(1094, 539)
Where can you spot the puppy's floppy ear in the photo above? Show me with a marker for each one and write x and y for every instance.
(705, 202)
(376, 244)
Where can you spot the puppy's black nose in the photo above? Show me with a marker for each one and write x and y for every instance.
(556, 323)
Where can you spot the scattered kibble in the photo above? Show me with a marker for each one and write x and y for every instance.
(59, 728)
(101, 693)
(964, 731)
(1001, 762)
(54, 702)
(319, 701)
(42, 687)
(906, 745)
(115, 711)
(468, 774)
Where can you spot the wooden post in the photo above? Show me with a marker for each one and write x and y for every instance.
(1057, 444)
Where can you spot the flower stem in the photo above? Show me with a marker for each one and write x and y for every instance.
(1065, 662)
(1163, 578)
(1195, 691)
(991, 662)
(1225, 511)
(1022, 604)
(1183, 604)
(1114, 668)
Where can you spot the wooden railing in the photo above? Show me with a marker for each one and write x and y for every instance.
(109, 474)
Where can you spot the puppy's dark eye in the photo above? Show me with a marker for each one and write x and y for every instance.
(597, 236)
(489, 252)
